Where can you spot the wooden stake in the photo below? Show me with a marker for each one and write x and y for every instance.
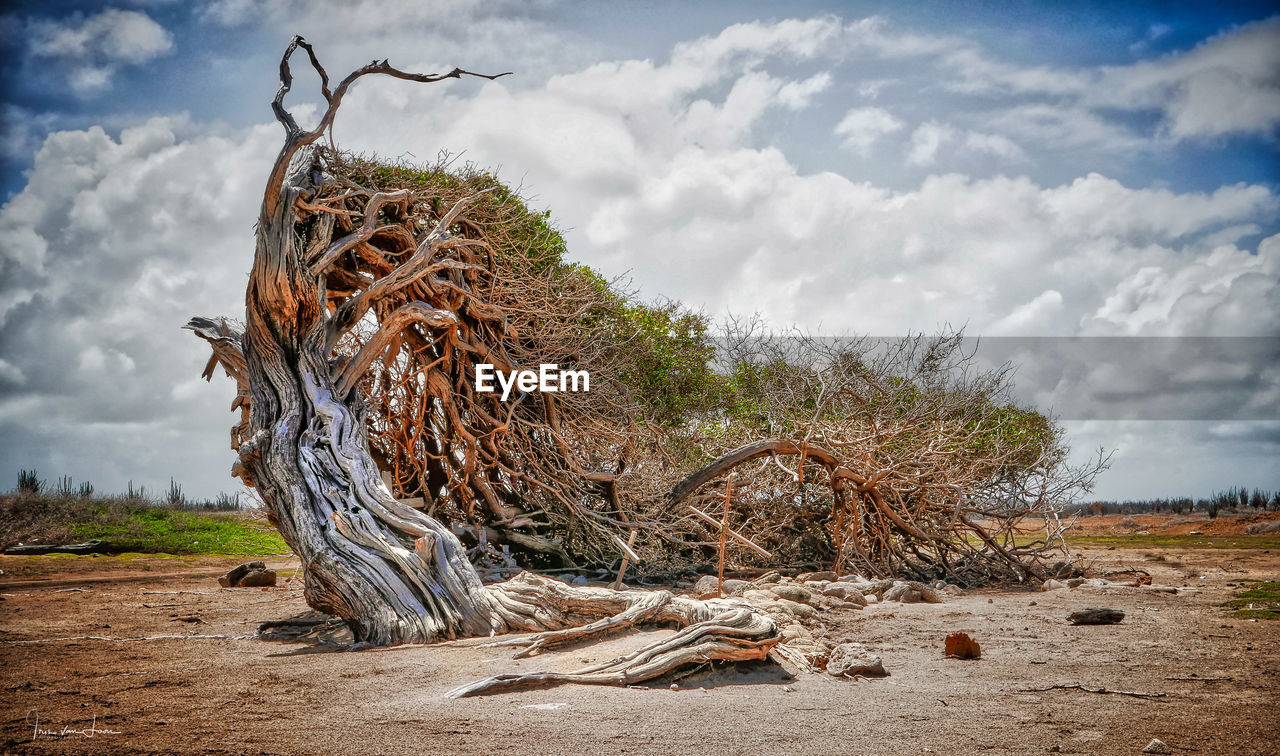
(724, 532)
(628, 554)
(735, 535)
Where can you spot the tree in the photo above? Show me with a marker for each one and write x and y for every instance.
(378, 290)
(345, 276)
(914, 461)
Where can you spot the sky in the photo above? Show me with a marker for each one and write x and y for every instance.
(1090, 189)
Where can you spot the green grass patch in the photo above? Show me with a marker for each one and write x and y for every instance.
(1150, 541)
(152, 531)
(1258, 601)
(134, 526)
(1264, 614)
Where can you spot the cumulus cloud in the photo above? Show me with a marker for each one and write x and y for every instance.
(861, 128)
(92, 49)
(107, 251)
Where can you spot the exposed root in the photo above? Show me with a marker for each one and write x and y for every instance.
(710, 630)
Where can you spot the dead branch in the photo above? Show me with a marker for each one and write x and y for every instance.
(1101, 691)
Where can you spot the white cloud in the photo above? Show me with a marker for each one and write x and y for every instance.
(108, 250)
(994, 145)
(1065, 127)
(93, 48)
(746, 45)
(861, 128)
(1227, 84)
(1224, 291)
(929, 138)
(926, 140)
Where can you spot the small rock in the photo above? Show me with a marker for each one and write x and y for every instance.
(706, 584)
(793, 593)
(911, 592)
(768, 577)
(850, 659)
(1052, 585)
(803, 611)
(579, 580)
(1157, 746)
(961, 646)
(675, 686)
(902, 591)
(871, 598)
(759, 597)
(249, 575)
(845, 592)
(815, 576)
(1096, 617)
(796, 632)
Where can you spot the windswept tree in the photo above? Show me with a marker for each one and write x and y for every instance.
(378, 290)
(346, 276)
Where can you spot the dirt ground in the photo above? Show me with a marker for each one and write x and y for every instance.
(72, 666)
(1163, 524)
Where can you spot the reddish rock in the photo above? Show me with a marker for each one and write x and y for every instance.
(961, 646)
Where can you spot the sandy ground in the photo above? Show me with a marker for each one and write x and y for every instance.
(217, 695)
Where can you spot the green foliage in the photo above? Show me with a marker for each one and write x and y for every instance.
(29, 482)
(1009, 427)
(175, 497)
(1259, 601)
(670, 357)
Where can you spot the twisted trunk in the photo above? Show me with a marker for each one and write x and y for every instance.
(396, 575)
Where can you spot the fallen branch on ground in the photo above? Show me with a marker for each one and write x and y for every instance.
(1103, 691)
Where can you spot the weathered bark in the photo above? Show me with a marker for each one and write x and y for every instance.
(394, 574)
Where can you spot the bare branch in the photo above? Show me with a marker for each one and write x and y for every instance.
(392, 325)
